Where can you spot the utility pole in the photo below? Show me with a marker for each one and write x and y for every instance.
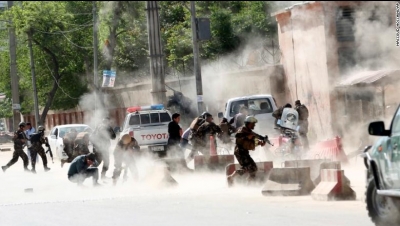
(156, 54)
(35, 98)
(13, 74)
(95, 48)
(197, 68)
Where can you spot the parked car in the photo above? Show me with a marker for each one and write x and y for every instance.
(382, 161)
(57, 134)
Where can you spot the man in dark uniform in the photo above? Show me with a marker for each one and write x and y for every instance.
(174, 133)
(102, 137)
(194, 126)
(202, 136)
(19, 140)
(245, 141)
(37, 140)
(125, 151)
(82, 167)
(226, 131)
(69, 143)
(277, 114)
(303, 123)
(81, 143)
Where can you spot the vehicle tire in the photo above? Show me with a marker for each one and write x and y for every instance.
(382, 210)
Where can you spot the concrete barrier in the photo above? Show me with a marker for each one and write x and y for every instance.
(5, 149)
(330, 165)
(333, 187)
(314, 164)
(330, 149)
(288, 182)
(216, 162)
(264, 168)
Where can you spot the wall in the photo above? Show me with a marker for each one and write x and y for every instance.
(302, 41)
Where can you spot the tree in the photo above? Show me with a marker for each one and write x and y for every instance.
(123, 35)
(59, 38)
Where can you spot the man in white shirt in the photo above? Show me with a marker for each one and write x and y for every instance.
(29, 131)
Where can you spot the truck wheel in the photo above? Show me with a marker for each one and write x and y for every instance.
(382, 210)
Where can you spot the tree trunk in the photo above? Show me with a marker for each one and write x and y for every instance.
(57, 78)
(112, 37)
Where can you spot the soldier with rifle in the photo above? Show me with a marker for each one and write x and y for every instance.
(19, 140)
(37, 140)
(247, 140)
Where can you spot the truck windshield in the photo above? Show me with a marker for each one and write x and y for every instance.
(255, 106)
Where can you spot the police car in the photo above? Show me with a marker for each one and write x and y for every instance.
(148, 125)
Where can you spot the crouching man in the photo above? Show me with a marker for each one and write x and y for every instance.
(82, 167)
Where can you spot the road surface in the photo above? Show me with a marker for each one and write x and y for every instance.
(199, 199)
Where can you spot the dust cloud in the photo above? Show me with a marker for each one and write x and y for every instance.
(375, 49)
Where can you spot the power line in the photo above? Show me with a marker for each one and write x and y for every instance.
(82, 47)
(51, 72)
(67, 31)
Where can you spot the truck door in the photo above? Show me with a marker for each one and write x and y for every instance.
(392, 154)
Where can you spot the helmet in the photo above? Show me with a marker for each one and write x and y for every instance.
(205, 115)
(126, 139)
(41, 128)
(250, 119)
(22, 124)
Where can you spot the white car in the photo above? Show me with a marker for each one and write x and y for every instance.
(56, 138)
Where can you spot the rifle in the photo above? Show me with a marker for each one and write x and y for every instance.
(49, 149)
(263, 138)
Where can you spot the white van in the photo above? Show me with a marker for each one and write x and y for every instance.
(260, 106)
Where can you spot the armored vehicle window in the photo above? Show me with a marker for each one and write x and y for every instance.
(145, 119)
(134, 120)
(164, 117)
(155, 118)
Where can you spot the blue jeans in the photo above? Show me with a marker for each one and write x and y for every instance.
(185, 144)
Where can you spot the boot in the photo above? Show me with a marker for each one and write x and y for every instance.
(27, 170)
(46, 168)
(96, 184)
(63, 162)
(229, 179)
(33, 170)
(103, 176)
(4, 168)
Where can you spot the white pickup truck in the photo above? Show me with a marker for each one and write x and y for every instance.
(149, 126)
(261, 106)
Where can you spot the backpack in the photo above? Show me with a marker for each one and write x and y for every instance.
(303, 112)
(197, 122)
(35, 137)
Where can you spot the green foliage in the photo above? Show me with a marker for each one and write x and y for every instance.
(6, 108)
(124, 25)
(62, 38)
(232, 22)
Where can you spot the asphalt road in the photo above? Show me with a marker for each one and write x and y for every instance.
(199, 199)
